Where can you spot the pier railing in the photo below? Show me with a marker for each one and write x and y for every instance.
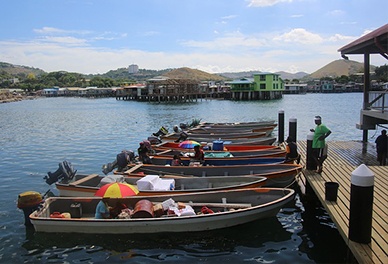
(378, 100)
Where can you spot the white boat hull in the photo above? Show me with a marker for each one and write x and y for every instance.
(268, 203)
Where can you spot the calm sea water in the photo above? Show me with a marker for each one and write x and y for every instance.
(35, 135)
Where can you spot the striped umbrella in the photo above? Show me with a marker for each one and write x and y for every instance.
(188, 144)
(117, 190)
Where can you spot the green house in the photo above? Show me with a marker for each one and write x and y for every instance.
(259, 82)
(262, 86)
(268, 82)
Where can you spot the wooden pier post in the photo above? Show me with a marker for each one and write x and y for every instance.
(292, 128)
(310, 161)
(361, 205)
(281, 126)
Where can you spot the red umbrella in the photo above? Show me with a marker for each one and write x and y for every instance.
(117, 190)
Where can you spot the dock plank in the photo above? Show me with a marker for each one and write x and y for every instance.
(343, 158)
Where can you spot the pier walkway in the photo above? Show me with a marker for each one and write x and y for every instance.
(343, 159)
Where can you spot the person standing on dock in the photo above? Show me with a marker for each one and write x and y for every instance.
(381, 147)
(321, 132)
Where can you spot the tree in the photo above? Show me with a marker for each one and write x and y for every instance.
(326, 79)
(382, 73)
(31, 76)
(343, 79)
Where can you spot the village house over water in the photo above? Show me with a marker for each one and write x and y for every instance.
(261, 86)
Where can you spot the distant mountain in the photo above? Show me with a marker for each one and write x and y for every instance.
(333, 69)
(249, 74)
(238, 75)
(187, 73)
(122, 73)
(16, 70)
(291, 76)
(338, 68)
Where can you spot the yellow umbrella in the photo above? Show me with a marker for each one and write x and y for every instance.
(117, 190)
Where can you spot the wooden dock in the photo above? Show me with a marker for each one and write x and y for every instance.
(343, 159)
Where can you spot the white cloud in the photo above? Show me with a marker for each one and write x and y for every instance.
(292, 51)
(48, 30)
(68, 36)
(339, 37)
(65, 40)
(300, 35)
(264, 3)
(228, 17)
(336, 12)
(58, 31)
(151, 33)
(228, 41)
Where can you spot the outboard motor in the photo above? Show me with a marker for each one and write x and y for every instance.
(29, 202)
(182, 137)
(154, 140)
(162, 132)
(64, 172)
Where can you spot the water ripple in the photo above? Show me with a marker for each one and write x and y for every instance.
(36, 135)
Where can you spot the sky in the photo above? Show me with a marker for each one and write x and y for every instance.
(96, 36)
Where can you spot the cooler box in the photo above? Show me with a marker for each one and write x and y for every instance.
(76, 210)
(218, 145)
(147, 182)
(164, 185)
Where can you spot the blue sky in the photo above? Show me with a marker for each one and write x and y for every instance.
(96, 36)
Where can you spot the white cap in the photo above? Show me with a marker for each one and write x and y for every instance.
(362, 176)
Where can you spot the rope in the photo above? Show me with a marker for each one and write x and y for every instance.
(379, 125)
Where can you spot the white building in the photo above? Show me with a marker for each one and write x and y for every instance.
(133, 68)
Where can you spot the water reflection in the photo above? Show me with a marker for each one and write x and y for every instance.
(224, 243)
(318, 231)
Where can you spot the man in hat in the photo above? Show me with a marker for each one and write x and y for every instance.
(321, 132)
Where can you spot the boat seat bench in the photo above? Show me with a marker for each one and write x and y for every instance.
(85, 179)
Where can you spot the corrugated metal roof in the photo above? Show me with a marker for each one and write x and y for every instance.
(244, 80)
(373, 43)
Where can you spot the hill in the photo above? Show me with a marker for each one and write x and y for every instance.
(333, 69)
(188, 73)
(239, 75)
(338, 68)
(291, 76)
(19, 71)
(248, 74)
(123, 74)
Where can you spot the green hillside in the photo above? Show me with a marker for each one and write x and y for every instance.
(18, 71)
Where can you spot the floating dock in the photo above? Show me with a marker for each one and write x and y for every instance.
(343, 159)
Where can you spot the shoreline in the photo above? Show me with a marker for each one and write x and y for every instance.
(15, 98)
